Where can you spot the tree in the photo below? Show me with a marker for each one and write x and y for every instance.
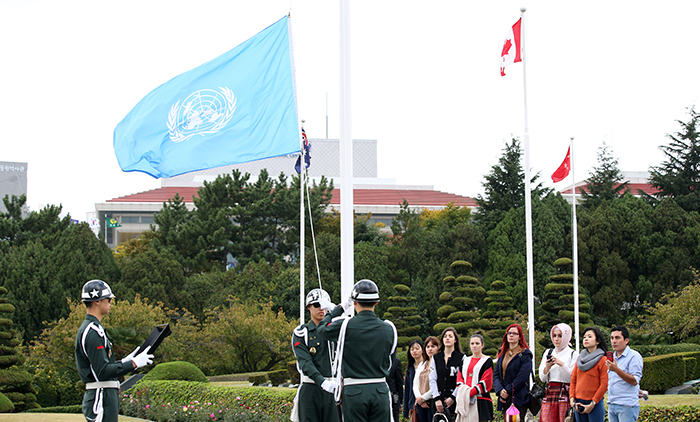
(460, 299)
(505, 188)
(677, 313)
(15, 382)
(251, 336)
(678, 176)
(606, 181)
(405, 317)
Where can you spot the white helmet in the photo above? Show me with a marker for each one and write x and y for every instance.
(316, 295)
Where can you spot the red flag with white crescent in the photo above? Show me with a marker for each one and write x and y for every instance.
(563, 169)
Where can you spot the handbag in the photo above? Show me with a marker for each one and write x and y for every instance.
(535, 395)
(512, 414)
(414, 415)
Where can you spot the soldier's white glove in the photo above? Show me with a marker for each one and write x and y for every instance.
(143, 358)
(328, 386)
(326, 304)
(347, 303)
(130, 356)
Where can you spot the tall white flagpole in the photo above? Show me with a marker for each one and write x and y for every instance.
(528, 201)
(347, 263)
(302, 229)
(574, 236)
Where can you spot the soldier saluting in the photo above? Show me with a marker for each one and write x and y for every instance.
(93, 356)
(366, 345)
(314, 400)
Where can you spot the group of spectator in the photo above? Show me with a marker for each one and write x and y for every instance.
(441, 380)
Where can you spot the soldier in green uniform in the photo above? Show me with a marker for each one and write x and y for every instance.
(315, 401)
(93, 356)
(366, 345)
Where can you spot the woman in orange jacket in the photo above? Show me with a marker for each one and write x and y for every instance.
(589, 379)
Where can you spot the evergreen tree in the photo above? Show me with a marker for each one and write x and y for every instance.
(405, 317)
(505, 188)
(559, 301)
(15, 381)
(461, 299)
(499, 314)
(678, 176)
(606, 181)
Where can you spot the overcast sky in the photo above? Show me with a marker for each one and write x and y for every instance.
(425, 82)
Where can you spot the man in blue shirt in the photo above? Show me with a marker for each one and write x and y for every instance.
(624, 375)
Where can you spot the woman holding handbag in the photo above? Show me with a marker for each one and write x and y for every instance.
(589, 379)
(512, 371)
(555, 370)
(416, 406)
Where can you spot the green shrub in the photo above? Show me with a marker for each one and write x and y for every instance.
(691, 364)
(294, 375)
(662, 373)
(258, 379)
(681, 413)
(76, 408)
(6, 405)
(181, 371)
(665, 349)
(153, 400)
(278, 377)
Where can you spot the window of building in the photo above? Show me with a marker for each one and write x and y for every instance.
(130, 219)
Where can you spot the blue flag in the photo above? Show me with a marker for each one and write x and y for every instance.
(239, 107)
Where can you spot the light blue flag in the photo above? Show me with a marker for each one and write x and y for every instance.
(236, 108)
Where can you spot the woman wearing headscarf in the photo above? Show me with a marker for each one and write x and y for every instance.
(443, 372)
(589, 379)
(512, 371)
(555, 370)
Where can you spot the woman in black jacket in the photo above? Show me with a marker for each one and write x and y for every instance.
(444, 367)
(512, 371)
(417, 384)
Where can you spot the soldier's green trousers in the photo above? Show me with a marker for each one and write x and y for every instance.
(110, 405)
(366, 403)
(316, 405)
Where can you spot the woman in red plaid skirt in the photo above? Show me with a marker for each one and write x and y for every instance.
(555, 370)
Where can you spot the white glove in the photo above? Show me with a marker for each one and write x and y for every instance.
(347, 303)
(328, 386)
(326, 304)
(130, 356)
(143, 358)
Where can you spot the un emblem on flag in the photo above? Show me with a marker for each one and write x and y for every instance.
(202, 112)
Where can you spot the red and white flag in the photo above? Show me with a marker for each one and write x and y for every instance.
(563, 169)
(512, 48)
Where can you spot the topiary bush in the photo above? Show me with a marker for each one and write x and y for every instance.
(182, 371)
(258, 379)
(6, 405)
(76, 408)
(278, 377)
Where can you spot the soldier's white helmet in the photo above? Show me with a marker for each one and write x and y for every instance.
(95, 290)
(316, 295)
(365, 291)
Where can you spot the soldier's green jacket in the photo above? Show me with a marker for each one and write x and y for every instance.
(312, 353)
(95, 362)
(369, 343)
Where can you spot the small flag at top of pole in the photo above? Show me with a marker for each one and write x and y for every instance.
(306, 152)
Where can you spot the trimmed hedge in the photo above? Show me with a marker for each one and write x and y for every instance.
(665, 349)
(258, 379)
(682, 413)
(278, 377)
(147, 397)
(294, 375)
(74, 408)
(182, 371)
(662, 373)
(6, 405)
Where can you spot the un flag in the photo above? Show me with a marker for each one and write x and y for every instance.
(236, 108)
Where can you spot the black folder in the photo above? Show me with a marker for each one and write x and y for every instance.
(155, 338)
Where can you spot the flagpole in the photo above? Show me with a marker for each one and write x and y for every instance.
(574, 236)
(528, 201)
(302, 228)
(347, 263)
